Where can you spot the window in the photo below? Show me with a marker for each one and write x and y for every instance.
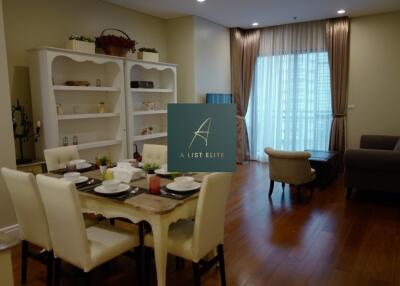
(290, 105)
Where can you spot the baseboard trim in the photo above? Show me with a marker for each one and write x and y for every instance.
(12, 230)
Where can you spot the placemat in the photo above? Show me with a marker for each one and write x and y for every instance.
(64, 170)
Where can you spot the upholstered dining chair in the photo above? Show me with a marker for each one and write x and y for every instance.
(57, 158)
(193, 240)
(31, 218)
(292, 168)
(72, 242)
(156, 154)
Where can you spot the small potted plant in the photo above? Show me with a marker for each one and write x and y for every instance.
(103, 162)
(115, 45)
(148, 54)
(81, 44)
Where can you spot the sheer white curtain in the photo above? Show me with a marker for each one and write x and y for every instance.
(290, 106)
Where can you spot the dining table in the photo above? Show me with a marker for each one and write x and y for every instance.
(160, 211)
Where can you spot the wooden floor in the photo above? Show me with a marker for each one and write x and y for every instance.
(325, 240)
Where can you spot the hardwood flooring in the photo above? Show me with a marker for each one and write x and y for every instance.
(325, 240)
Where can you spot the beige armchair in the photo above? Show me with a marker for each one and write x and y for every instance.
(156, 154)
(289, 167)
(57, 158)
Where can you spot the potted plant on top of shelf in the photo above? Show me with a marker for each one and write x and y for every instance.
(81, 44)
(115, 45)
(148, 54)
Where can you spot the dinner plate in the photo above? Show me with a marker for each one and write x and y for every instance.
(86, 166)
(173, 187)
(163, 172)
(80, 180)
(122, 188)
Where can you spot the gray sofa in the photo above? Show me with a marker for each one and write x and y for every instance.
(375, 166)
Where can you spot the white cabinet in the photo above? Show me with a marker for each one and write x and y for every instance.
(97, 133)
(146, 108)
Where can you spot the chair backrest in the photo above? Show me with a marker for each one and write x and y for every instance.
(66, 224)
(28, 207)
(289, 167)
(57, 158)
(153, 153)
(210, 213)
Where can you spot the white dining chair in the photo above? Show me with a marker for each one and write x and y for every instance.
(155, 154)
(83, 248)
(193, 240)
(57, 158)
(31, 219)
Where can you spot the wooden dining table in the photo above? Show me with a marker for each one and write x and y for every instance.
(158, 211)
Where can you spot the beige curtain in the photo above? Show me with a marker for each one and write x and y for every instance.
(245, 45)
(337, 35)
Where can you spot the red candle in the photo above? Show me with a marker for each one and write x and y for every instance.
(154, 184)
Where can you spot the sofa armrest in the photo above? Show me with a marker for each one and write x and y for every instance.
(376, 160)
(381, 142)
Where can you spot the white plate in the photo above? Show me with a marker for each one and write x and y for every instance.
(175, 188)
(121, 188)
(80, 180)
(87, 165)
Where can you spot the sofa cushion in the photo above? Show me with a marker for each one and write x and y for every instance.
(397, 147)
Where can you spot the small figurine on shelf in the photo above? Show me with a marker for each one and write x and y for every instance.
(98, 82)
(65, 141)
(100, 107)
(137, 155)
(59, 109)
(75, 140)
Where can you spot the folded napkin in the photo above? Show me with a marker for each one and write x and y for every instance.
(126, 174)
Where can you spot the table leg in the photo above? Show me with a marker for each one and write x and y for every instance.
(160, 235)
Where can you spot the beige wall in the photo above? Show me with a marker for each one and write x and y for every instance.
(374, 79)
(201, 50)
(31, 24)
(212, 58)
(7, 157)
(180, 47)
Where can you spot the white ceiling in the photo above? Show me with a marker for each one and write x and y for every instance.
(241, 13)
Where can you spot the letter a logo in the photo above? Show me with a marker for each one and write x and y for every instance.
(203, 134)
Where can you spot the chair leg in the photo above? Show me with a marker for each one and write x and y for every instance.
(196, 274)
(50, 266)
(298, 193)
(220, 250)
(349, 192)
(283, 186)
(24, 261)
(57, 271)
(138, 256)
(271, 187)
(86, 278)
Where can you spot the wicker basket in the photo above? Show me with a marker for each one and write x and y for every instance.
(114, 50)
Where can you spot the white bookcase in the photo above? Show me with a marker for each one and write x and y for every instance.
(139, 117)
(97, 133)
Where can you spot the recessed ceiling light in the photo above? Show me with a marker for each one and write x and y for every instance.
(341, 11)
(201, 1)
(255, 24)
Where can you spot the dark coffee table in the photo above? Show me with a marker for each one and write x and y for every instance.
(326, 165)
